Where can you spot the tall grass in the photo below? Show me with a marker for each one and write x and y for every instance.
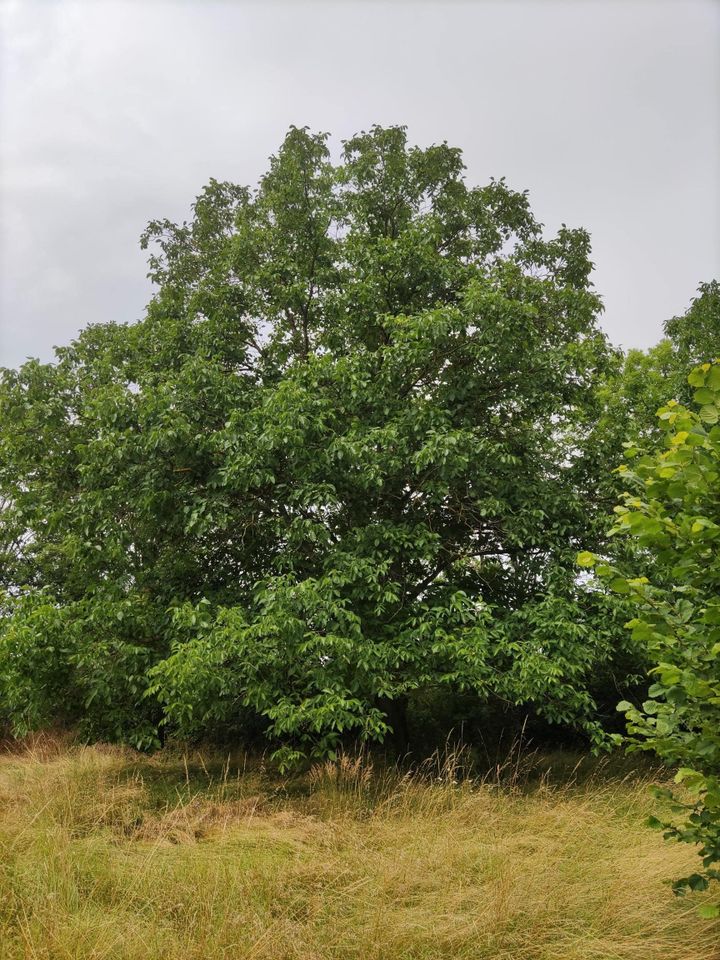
(106, 855)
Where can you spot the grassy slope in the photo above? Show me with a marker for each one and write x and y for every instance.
(105, 854)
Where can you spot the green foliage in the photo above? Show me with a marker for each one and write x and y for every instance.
(644, 380)
(82, 663)
(671, 510)
(347, 455)
(695, 335)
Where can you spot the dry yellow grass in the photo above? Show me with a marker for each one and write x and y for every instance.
(112, 856)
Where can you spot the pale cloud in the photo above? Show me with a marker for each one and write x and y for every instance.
(113, 113)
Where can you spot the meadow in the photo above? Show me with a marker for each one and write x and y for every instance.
(109, 854)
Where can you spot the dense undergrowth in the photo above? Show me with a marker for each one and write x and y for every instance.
(106, 853)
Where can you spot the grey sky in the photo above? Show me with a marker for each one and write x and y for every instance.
(113, 113)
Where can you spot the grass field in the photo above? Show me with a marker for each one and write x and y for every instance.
(108, 854)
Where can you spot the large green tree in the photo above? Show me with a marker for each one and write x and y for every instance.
(343, 458)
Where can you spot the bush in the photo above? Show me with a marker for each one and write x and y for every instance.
(672, 510)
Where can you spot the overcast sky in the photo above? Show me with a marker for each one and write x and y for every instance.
(113, 113)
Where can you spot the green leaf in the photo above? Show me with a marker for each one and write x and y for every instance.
(709, 911)
(704, 396)
(713, 377)
(586, 559)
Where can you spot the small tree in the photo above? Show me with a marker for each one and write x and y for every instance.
(672, 511)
